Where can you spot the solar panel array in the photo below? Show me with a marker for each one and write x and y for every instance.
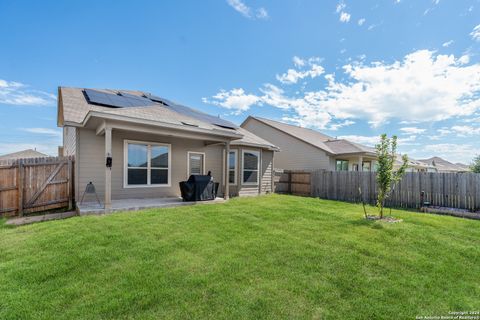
(121, 100)
(127, 100)
(189, 112)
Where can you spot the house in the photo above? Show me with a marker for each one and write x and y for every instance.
(445, 166)
(414, 165)
(307, 149)
(153, 144)
(29, 153)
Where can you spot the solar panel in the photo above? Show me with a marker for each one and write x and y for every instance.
(189, 112)
(122, 100)
(127, 100)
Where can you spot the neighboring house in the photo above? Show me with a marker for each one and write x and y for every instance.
(29, 153)
(414, 165)
(443, 165)
(154, 144)
(307, 149)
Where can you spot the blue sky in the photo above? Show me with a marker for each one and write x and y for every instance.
(352, 69)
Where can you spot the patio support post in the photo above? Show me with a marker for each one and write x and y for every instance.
(360, 163)
(226, 192)
(108, 171)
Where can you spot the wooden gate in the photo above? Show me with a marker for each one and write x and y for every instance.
(33, 185)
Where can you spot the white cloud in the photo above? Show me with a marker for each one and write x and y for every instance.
(464, 59)
(452, 152)
(475, 34)
(235, 99)
(43, 131)
(361, 21)
(262, 13)
(241, 7)
(412, 130)
(435, 2)
(366, 140)
(422, 87)
(246, 11)
(447, 44)
(464, 131)
(292, 75)
(298, 62)
(344, 17)
(16, 93)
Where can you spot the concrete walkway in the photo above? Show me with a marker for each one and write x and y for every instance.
(20, 221)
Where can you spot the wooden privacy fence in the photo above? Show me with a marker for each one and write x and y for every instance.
(33, 185)
(455, 190)
(295, 182)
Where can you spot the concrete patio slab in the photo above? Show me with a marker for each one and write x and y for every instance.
(137, 204)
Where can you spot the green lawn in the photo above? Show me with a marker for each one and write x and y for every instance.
(267, 257)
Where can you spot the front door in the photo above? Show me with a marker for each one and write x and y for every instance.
(196, 163)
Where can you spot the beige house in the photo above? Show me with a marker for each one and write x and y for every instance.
(307, 149)
(154, 144)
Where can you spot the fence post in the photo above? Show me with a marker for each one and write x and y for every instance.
(69, 186)
(289, 191)
(20, 182)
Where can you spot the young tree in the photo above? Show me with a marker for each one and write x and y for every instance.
(475, 166)
(387, 177)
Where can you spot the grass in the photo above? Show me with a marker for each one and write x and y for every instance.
(260, 258)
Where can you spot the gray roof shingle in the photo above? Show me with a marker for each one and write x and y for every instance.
(29, 153)
(76, 107)
(318, 139)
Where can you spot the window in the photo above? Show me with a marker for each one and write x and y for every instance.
(196, 163)
(342, 165)
(147, 164)
(232, 167)
(367, 166)
(250, 165)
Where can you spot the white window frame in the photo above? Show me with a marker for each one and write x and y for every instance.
(258, 167)
(149, 168)
(188, 161)
(235, 170)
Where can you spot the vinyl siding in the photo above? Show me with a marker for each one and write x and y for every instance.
(294, 153)
(91, 165)
(69, 141)
(266, 165)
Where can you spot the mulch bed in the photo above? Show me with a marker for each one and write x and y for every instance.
(384, 219)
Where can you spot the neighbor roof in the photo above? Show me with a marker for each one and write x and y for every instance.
(250, 139)
(74, 107)
(29, 153)
(444, 165)
(317, 139)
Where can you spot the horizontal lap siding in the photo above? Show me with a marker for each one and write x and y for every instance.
(69, 141)
(91, 163)
(294, 154)
(266, 165)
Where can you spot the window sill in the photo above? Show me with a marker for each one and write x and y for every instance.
(137, 186)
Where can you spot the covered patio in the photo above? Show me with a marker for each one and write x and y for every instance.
(95, 208)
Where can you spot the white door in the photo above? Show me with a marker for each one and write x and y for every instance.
(196, 163)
